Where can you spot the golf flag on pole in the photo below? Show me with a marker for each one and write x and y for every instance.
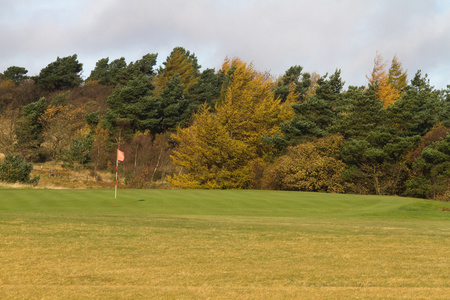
(120, 157)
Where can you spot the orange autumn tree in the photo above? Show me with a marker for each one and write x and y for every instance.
(216, 151)
(390, 83)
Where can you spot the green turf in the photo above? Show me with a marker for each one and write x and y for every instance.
(228, 202)
(233, 244)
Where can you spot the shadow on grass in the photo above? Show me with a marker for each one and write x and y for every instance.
(133, 201)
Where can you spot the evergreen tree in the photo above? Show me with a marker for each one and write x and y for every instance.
(363, 113)
(444, 115)
(205, 90)
(316, 117)
(144, 66)
(101, 72)
(292, 77)
(16, 74)
(416, 112)
(78, 154)
(118, 72)
(61, 74)
(431, 172)
(15, 169)
(173, 104)
(29, 130)
(135, 105)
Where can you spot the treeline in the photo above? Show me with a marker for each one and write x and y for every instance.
(235, 127)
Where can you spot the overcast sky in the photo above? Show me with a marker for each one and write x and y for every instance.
(320, 35)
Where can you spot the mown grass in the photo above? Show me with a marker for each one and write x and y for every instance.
(173, 244)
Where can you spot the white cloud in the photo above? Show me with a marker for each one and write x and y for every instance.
(320, 35)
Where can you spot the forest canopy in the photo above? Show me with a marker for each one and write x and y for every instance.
(234, 127)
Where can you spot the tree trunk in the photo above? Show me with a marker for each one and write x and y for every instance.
(156, 167)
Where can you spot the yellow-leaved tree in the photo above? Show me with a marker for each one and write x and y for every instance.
(211, 158)
(182, 63)
(217, 149)
(249, 109)
(390, 83)
(396, 76)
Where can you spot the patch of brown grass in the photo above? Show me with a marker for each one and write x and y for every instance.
(54, 176)
(132, 257)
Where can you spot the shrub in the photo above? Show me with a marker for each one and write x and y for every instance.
(310, 166)
(15, 169)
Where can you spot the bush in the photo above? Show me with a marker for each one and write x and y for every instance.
(310, 166)
(78, 152)
(15, 169)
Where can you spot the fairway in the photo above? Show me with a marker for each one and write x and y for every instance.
(233, 244)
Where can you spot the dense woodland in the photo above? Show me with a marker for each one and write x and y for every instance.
(235, 127)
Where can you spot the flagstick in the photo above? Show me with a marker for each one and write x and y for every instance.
(120, 157)
(115, 192)
(117, 168)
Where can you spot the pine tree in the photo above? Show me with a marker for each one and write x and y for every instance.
(416, 112)
(363, 113)
(316, 117)
(61, 74)
(291, 79)
(29, 130)
(15, 168)
(134, 105)
(173, 105)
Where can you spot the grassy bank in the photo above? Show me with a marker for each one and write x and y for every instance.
(221, 244)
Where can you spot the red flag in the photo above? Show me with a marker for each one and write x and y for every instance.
(120, 155)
